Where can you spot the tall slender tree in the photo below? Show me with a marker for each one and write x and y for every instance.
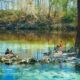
(77, 43)
(50, 5)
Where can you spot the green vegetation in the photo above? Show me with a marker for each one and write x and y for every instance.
(38, 19)
(39, 15)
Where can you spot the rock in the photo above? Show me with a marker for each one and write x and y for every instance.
(3, 59)
(32, 61)
(23, 62)
(45, 61)
(8, 62)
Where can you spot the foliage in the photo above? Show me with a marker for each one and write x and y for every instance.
(43, 15)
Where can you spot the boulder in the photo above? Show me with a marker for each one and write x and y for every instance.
(23, 61)
(32, 61)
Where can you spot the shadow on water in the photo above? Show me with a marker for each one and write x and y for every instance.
(77, 69)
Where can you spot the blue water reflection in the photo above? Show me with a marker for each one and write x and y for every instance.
(39, 72)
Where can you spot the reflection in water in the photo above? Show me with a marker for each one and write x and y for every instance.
(58, 71)
(26, 50)
(39, 72)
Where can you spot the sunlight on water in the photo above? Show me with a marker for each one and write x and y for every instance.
(28, 50)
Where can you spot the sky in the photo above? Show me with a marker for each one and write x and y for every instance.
(5, 4)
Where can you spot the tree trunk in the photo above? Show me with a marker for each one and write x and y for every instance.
(77, 43)
(49, 9)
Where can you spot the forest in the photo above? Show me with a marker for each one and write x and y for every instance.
(38, 20)
(38, 15)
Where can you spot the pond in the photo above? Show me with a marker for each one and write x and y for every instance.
(63, 71)
(25, 50)
(29, 50)
(39, 72)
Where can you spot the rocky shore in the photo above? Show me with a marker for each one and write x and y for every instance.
(10, 59)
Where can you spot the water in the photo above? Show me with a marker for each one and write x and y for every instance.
(64, 71)
(39, 72)
(26, 50)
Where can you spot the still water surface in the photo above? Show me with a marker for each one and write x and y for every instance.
(26, 50)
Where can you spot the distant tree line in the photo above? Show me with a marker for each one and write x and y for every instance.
(47, 15)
